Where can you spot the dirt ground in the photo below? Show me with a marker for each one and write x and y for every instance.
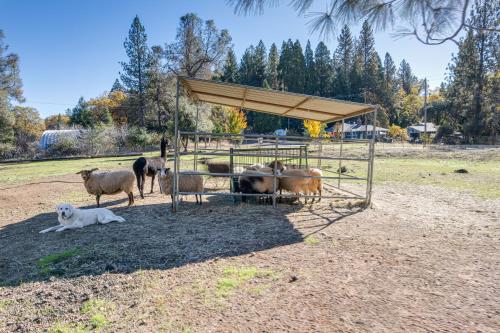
(422, 259)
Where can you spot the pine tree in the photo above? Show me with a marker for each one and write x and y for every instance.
(324, 70)
(10, 81)
(230, 69)
(390, 87)
(260, 61)
(272, 68)
(285, 66)
(298, 69)
(117, 86)
(10, 88)
(366, 50)
(473, 76)
(344, 61)
(135, 71)
(246, 71)
(310, 74)
(406, 78)
(355, 75)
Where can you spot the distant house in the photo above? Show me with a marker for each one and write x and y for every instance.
(356, 131)
(415, 131)
(51, 137)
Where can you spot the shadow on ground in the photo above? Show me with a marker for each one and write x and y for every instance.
(151, 238)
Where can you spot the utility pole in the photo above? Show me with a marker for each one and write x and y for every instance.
(425, 109)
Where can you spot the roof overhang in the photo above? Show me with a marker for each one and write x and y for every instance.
(280, 103)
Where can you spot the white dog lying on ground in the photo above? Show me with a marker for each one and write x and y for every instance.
(70, 217)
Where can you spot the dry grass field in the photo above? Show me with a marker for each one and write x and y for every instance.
(424, 258)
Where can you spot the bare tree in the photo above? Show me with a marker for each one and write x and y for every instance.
(199, 47)
(431, 22)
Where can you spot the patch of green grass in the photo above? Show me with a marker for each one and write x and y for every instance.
(234, 277)
(46, 264)
(311, 240)
(483, 177)
(67, 328)
(98, 310)
(31, 171)
(4, 304)
(98, 321)
(481, 180)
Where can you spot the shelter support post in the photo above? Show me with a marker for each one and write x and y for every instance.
(175, 189)
(371, 157)
(275, 179)
(340, 151)
(196, 139)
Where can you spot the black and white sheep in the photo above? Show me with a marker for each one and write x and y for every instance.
(187, 183)
(109, 182)
(260, 181)
(147, 167)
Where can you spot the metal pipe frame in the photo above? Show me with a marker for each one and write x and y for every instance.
(187, 153)
(177, 155)
(269, 136)
(270, 195)
(213, 174)
(175, 186)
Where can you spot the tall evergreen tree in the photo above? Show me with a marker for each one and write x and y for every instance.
(117, 86)
(390, 87)
(260, 61)
(11, 85)
(10, 89)
(310, 74)
(406, 78)
(285, 66)
(473, 75)
(366, 49)
(135, 71)
(298, 69)
(230, 68)
(344, 61)
(324, 70)
(272, 74)
(246, 71)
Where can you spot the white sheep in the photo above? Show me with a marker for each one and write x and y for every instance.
(108, 182)
(187, 183)
(255, 166)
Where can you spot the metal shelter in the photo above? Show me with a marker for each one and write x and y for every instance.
(273, 102)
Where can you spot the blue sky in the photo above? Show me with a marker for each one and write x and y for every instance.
(71, 48)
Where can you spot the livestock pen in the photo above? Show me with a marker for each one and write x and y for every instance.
(331, 154)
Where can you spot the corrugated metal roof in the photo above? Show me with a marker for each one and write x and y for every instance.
(275, 102)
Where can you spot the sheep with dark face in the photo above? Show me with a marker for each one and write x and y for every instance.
(187, 183)
(108, 182)
(259, 181)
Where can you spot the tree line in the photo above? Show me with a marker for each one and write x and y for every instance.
(352, 71)
(142, 97)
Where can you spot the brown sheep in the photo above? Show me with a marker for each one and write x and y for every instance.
(108, 182)
(187, 183)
